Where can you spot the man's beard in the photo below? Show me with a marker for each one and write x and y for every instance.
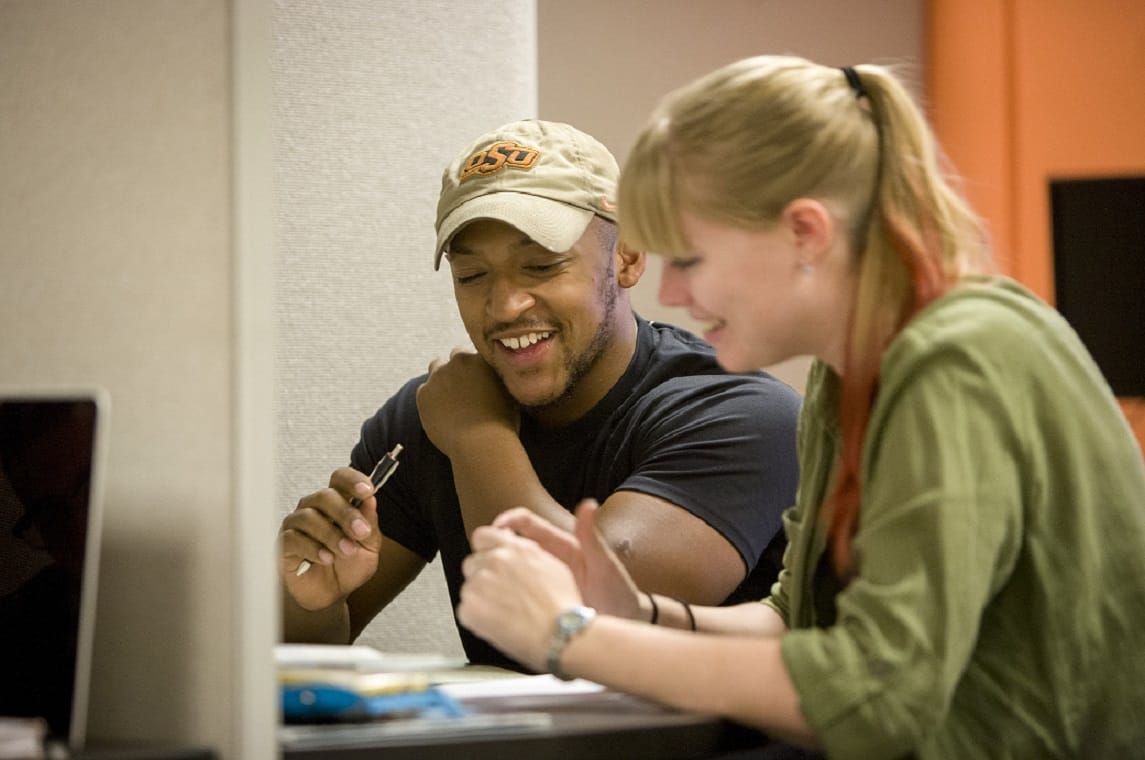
(581, 364)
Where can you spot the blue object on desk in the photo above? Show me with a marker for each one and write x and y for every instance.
(323, 702)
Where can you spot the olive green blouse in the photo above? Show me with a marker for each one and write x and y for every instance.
(998, 606)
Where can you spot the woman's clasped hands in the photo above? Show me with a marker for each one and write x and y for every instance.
(524, 572)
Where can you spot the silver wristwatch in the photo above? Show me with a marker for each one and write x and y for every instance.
(569, 624)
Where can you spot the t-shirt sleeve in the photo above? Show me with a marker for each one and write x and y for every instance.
(723, 448)
(939, 531)
(400, 514)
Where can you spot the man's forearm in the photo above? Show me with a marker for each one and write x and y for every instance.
(492, 473)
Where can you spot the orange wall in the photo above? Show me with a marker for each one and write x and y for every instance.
(1024, 91)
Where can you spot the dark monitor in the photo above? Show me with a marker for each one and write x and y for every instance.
(1098, 229)
(51, 460)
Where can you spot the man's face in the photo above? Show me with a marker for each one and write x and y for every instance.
(545, 321)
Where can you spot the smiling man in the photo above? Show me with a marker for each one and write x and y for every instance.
(567, 395)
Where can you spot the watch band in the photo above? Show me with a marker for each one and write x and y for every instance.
(569, 624)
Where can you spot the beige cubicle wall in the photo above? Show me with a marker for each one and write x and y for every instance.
(221, 212)
(134, 248)
(371, 101)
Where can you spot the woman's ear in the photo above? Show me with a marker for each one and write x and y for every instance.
(629, 265)
(811, 227)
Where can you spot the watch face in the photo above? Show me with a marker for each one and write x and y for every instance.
(568, 621)
(569, 624)
(573, 620)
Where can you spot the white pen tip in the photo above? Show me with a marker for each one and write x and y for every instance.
(302, 567)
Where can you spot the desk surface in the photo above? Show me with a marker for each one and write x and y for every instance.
(606, 725)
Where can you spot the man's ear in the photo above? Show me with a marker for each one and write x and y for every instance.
(811, 227)
(629, 265)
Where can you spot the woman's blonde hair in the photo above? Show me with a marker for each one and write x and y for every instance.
(738, 145)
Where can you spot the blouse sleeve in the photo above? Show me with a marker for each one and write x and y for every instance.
(939, 531)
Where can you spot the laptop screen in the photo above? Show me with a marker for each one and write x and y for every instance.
(50, 463)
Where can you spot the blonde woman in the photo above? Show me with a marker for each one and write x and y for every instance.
(965, 575)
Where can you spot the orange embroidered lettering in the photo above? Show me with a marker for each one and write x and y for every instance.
(496, 157)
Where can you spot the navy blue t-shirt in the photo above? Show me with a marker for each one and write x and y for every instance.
(675, 426)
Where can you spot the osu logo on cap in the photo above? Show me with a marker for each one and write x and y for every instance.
(496, 157)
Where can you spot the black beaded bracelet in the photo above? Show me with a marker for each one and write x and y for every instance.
(655, 609)
(688, 610)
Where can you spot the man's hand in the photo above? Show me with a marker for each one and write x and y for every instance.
(339, 542)
(463, 394)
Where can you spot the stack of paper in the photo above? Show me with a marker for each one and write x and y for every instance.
(321, 683)
(356, 657)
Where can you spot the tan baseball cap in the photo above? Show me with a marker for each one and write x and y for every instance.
(547, 179)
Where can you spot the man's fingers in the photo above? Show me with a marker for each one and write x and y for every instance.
(461, 350)
(437, 363)
(298, 547)
(351, 482)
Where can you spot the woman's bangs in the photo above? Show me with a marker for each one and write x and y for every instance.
(649, 218)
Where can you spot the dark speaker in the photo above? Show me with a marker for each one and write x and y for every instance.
(1099, 272)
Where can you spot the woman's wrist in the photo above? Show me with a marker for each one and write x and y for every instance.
(650, 609)
(690, 615)
(653, 614)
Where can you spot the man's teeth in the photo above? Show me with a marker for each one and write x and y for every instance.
(524, 341)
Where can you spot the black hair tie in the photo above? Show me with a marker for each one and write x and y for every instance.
(855, 82)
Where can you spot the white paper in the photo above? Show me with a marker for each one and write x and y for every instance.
(358, 657)
(521, 687)
(22, 738)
